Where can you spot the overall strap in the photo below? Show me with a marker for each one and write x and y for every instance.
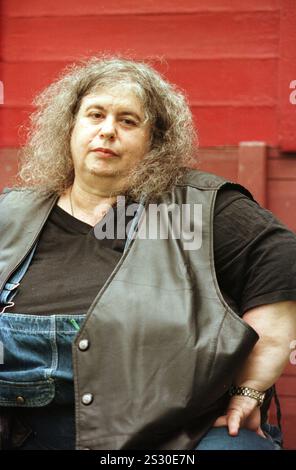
(11, 285)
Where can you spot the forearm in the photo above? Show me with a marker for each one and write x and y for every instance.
(276, 326)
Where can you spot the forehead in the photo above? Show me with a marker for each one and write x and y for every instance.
(123, 99)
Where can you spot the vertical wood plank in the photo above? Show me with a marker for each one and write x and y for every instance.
(252, 159)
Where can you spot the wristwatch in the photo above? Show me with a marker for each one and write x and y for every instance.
(247, 392)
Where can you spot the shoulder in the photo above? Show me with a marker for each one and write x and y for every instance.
(201, 179)
(242, 225)
(20, 193)
(10, 193)
(237, 207)
(206, 181)
(17, 200)
(16, 191)
(228, 198)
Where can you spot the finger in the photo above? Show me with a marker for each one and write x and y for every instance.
(234, 421)
(221, 421)
(261, 433)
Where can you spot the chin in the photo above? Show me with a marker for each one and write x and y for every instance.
(104, 172)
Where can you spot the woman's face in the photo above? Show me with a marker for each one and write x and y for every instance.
(109, 120)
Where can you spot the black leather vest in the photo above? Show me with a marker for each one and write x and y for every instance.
(163, 343)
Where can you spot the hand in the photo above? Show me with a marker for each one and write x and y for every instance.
(241, 412)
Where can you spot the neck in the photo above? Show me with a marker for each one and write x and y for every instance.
(89, 200)
(85, 204)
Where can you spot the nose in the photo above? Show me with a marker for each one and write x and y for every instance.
(107, 128)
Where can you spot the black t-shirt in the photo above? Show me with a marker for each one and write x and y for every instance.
(254, 254)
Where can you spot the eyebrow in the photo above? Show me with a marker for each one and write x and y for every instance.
(125, 112)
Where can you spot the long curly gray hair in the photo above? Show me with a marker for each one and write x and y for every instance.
(46, 162)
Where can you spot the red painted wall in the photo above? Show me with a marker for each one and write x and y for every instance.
(234, 58)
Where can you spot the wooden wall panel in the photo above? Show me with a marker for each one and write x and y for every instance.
(221, 161)
(223, 53)
(12, 120)
(281, 196)
(198, 35)
(16, 8)
(207, 83)
(219, 124)
(282, 168)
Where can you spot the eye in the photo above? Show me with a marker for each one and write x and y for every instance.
(129, 122)
(96, 114)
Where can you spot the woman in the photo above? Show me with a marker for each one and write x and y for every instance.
(129, 343)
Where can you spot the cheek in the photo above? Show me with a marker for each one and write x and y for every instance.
(79, 139)
(136, 150)
(139, 145)
(145, 146)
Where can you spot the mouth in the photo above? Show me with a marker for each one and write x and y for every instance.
(102, 152)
